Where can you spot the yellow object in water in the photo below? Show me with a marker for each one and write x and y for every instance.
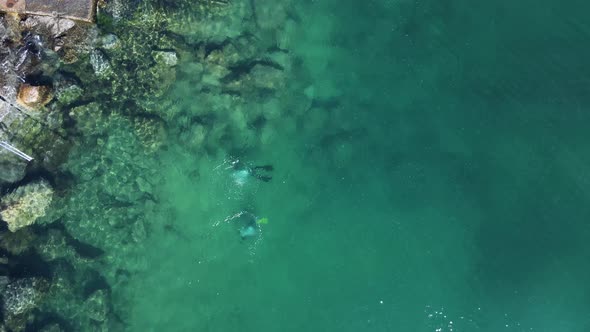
(262, 221)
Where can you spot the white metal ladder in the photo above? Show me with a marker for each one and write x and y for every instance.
(10, 148)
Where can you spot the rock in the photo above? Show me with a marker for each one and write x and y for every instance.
(213, 74)
(53, 246)
(22, 295)
(69, 56)
(89, 119)
(34, 97)
(80, 10)
(68, 94)
(79, 40)
(12, 168)
(150, 132)
(99, 63)
(50, 26)
(138, 232)
(97, 305)
(266, 77)
(17, 242)
(109, 42)
(167, 58)
(144, 185)
(25, 205)
(19, 299)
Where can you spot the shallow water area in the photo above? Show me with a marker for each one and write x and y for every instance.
(430, 186)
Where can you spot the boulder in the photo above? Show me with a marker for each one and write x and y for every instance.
(19, 299)
(34, 97)
(25, 205)
(21, 296)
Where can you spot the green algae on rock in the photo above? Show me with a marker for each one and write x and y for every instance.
(25, 205)
(18, 242)
(19, 299)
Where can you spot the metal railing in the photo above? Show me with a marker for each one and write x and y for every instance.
(6, 146)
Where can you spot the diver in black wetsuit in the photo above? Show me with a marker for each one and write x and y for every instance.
(262, 172)
(243, 171)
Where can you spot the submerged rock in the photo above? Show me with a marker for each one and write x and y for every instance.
(54, 245)
(12, 168)
(25, 205)
(22, 295)
(167, 58)
(100, 63)
(267, 77)
(68, 93)
(150, 133)
(97, 305)
(17, 242)
(19, 299)
(109, 41)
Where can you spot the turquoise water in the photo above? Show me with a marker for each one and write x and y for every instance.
(430, 173)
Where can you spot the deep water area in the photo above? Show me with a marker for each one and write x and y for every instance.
(314, 165)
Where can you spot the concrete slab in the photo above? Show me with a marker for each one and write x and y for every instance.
(80, 10)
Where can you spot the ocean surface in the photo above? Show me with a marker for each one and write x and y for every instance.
(439, 180)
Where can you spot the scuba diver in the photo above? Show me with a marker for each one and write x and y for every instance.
(242, 172)
(247, 223)
(262, 172)
(248, 227)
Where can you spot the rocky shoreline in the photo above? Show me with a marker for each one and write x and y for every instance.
(87, 103)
